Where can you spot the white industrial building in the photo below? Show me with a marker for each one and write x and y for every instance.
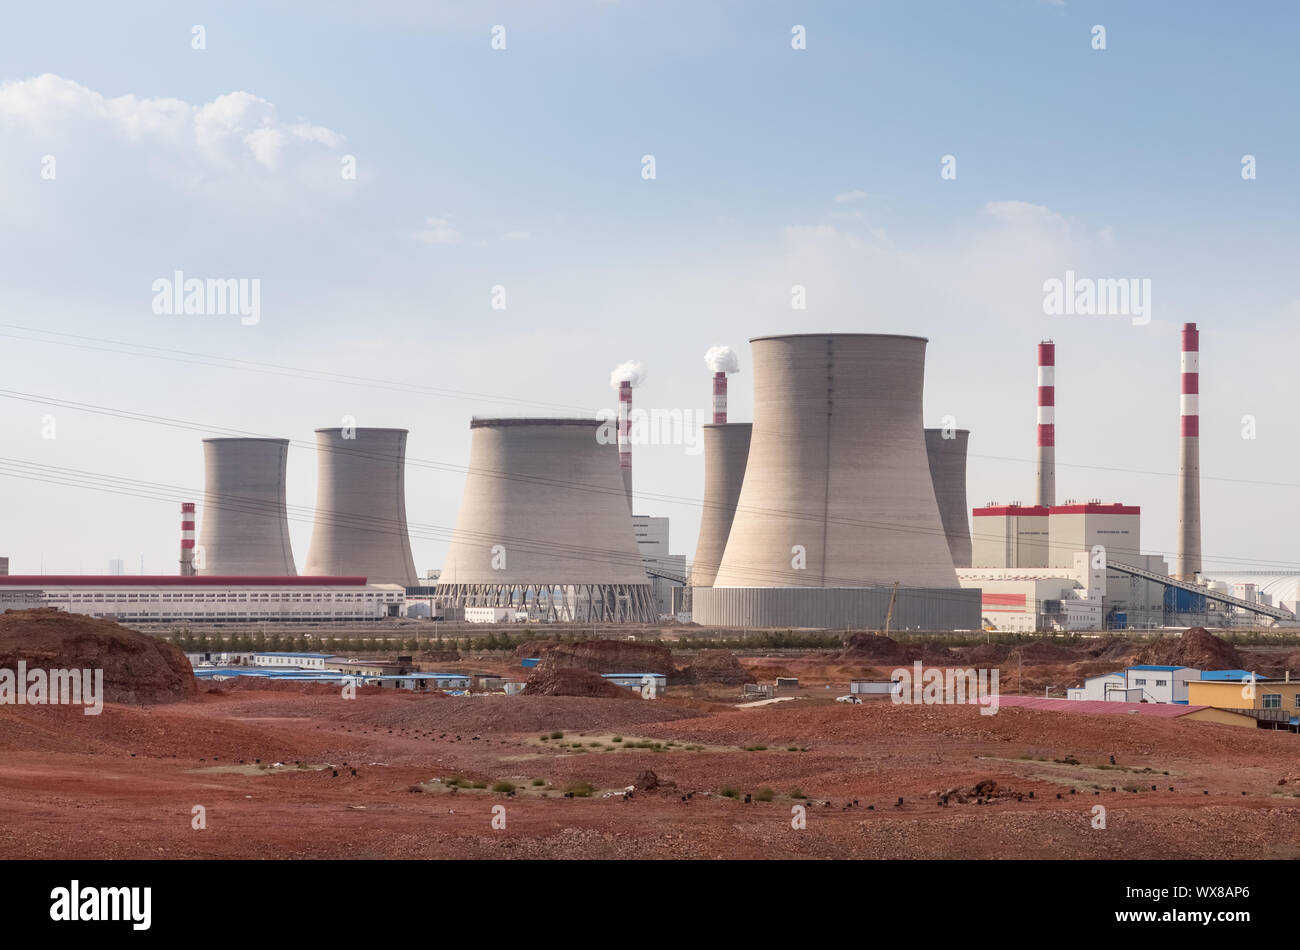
(652, 542)
(206, 599)
(1022, 554)
(1138, 684)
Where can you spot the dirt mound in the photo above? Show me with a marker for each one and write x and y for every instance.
(988, 654)
(137, 667)
(609, 656)
(534, 648)
(1115, 649)
(1196, 648)
(573, 682)
(1040, 651)
(875, 648)
(716, 666)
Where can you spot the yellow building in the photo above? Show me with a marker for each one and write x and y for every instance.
(1270, 701)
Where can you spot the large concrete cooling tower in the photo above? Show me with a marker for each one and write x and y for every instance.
(544, 526)
(837, 504)
(726, 449)
(245, 521)
(948, 472)
(360, 524)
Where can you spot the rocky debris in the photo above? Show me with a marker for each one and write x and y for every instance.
(646, 781)
(1196, 648)
(138, 668)
(573, 682)
(982, 791)
(715, 666)
(608, 656)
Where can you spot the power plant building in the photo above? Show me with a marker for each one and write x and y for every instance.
(171, 598)
(837, 505)
(544, 526)
(360, 524)
(245, 525)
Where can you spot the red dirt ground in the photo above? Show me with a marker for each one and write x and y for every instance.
(123, 784)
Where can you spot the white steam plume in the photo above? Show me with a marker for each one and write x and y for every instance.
(722, 359)
(630, 371)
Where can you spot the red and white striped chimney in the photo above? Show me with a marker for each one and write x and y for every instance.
(624, 436)
(1189, 465)
(719, 398)
(1046, 423)
(187, 539)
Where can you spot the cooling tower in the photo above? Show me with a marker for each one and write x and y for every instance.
(544, 525)
(726, 449)
(245, 522)
(948, 473)
(837, 503)
(360, 524)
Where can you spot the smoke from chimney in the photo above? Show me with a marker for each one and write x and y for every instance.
(631, 372)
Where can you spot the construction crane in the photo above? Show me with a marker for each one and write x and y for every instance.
(889, 615)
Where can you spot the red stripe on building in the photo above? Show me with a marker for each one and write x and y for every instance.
(1191, 428)
(1047, 434)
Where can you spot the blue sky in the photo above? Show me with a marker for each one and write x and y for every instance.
(521, 167)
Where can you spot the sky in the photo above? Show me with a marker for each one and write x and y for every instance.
(130, 150)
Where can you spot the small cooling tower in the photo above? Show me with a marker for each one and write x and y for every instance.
(245, 520)
(726, 450)
(948, 472)
(360, 524)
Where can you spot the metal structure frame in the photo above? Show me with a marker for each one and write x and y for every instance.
(581, 603)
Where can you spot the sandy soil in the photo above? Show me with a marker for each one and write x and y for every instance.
(123, 784)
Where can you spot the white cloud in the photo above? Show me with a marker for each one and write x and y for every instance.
(845, 197)
(516, 236)
(232, 129)
(437, 231)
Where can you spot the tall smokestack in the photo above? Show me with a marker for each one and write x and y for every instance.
(721, 361)
(1189, 465)
(624, 442)
(187, 539)
(719, 398)
(1046, 423)
(624, 377)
